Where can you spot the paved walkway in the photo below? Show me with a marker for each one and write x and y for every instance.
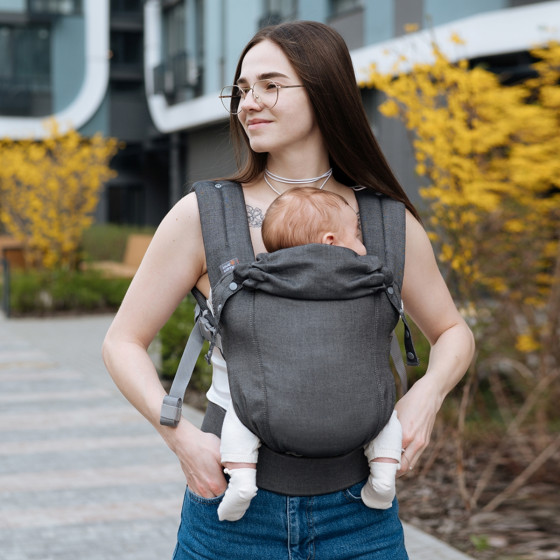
(82, 474)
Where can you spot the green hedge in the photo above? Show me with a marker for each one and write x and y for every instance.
(47, 292)
(107, 242)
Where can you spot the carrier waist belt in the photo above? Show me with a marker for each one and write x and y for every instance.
(309, 476)
(298, 476)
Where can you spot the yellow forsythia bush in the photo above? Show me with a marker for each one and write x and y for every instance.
(488, 154)
(49, 190)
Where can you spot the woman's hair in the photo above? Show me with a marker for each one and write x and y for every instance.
(300, 216)
(321, 59)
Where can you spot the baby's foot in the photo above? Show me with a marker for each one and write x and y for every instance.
(379, 490)
(242, 488)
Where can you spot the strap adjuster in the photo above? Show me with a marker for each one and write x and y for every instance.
(171, 410)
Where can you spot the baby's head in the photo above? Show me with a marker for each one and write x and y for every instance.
(308, 215)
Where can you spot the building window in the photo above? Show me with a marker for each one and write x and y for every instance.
(179, 76)
(174, 30)
(127, 48)
(339, 7)
(277, 11)
(54, 7)
(25, 56)
(126, 203)
(126, 6)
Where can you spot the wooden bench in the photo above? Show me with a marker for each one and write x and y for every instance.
(12, 251)
(136, 247)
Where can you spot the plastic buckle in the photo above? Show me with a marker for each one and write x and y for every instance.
(206, 326)
(171, 410)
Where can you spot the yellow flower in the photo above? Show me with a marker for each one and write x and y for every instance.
(526, 343)
(411, 27)
(389, 108)
(455, 38)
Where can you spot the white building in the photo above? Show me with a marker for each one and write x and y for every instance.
(150, 72)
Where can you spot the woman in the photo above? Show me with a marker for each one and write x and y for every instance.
(297, 109)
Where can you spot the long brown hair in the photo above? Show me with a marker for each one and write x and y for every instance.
(321, 59)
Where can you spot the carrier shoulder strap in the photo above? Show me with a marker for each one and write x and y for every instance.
(225, 231)
(384, 229)
(384, 233)
(227, 242)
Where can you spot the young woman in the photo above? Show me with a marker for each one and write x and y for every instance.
(297, 112)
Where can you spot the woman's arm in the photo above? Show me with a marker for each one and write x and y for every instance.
(428, 302)
(173, 264)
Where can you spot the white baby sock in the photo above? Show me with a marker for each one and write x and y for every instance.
(242, 488)
(379, 490)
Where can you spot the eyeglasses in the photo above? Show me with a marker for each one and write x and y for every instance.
(265, 93)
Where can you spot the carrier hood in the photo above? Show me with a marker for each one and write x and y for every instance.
(315, 272)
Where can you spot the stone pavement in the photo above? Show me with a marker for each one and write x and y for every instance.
(82, 474)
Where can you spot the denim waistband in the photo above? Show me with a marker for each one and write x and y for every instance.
(298, 476)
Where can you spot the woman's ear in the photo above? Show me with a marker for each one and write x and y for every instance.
(328, 238)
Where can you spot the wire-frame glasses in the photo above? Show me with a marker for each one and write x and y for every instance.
(265, 93)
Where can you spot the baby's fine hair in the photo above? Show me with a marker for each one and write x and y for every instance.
(300, 216)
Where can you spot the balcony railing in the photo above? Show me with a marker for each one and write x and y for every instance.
(178, 73)
(53, 8)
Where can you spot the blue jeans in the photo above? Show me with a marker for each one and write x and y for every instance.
(335, 526)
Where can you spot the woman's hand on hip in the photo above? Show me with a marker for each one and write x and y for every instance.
(199, 455)
(417, 412)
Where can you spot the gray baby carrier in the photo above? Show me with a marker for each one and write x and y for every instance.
(306, 333)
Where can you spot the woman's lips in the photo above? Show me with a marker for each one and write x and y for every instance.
(256, 123)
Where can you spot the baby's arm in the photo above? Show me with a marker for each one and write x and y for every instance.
(239, 444)
(239, 452)
(388, 443)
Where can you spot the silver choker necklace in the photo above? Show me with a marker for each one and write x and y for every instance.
(269, 175)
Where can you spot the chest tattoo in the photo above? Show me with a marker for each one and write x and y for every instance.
(255, 216)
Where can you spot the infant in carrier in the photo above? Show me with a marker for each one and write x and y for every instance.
(301, 216)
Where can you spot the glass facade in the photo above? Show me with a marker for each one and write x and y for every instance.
(25, 70)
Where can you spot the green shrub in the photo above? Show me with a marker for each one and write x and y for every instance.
(173, 337)
(43, 292)
(107, 242)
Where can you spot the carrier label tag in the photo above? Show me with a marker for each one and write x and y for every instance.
(229, 266)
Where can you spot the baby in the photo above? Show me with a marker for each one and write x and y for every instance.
(298, 217)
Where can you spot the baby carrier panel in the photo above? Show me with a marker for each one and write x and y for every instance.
(313, 324)
(306, 331)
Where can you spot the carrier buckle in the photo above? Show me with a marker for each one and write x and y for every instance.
(171, 409)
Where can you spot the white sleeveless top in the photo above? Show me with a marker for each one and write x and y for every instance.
(219, 390)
